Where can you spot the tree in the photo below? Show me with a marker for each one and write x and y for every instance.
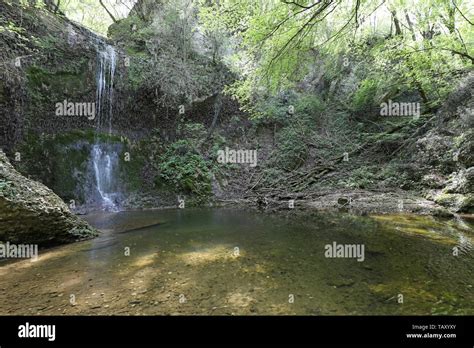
(278, 40)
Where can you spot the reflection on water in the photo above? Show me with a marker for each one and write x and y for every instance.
(223, 262)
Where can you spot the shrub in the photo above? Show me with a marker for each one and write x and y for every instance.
(292, 151)
(185, 169)
(363, 99)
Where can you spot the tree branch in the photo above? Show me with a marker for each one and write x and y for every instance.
(107, 10)
(325, 5)
(462, 14)
(296, 4)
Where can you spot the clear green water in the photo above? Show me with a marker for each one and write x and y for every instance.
(186, 262)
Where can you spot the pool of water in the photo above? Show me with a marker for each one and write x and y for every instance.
(228, 261)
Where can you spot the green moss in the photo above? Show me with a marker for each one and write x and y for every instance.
(61, 162)
(131, 170)
(68, 162)
(69, 82)
(134, 38)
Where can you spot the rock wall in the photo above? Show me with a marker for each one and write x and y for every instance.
(447, 151)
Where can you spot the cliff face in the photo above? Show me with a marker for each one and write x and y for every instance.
(47, 59)
(31, 213)
(446, 151)
(59, 61)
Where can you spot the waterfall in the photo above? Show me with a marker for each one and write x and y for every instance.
(105, 164)
(105, 86)
(104, 157)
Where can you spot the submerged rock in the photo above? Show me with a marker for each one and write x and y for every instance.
(32, 213)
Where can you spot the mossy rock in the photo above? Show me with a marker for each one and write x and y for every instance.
(466, 149)
(31, 213)
(460, 203)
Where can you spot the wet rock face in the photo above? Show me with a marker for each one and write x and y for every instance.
(32, 213)
(466, 149)
(448, 150)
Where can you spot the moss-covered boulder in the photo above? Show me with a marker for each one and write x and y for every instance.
(32, 213)
(456, 202)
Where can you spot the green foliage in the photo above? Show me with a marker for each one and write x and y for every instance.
(278, 45)
(185, 169)
(292, 151)
(295, 117)
(361, 178)
(392, 175)
(91, 14)
(175, 59)
(195, 133)
(363, 99)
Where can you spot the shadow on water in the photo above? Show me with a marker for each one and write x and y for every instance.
(225, 261)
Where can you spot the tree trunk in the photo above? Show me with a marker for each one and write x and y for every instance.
(398, 29)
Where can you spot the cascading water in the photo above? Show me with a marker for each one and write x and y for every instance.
(105, 86)
(103, 156)
(105, 165)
